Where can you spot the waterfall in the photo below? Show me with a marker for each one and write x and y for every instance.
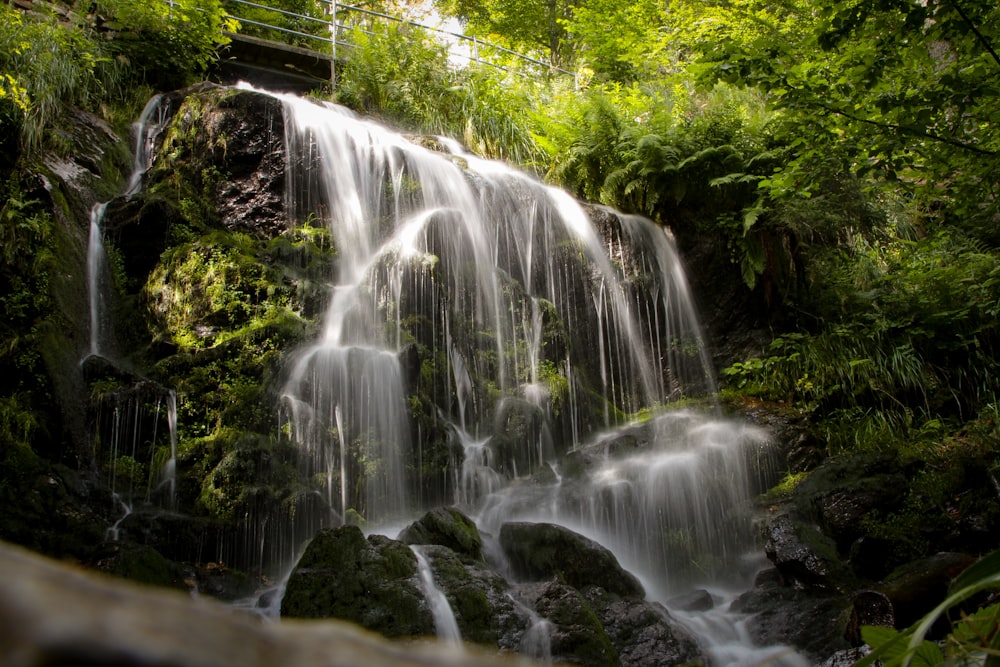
(444, 618)
(98, 281)
(128, 417)
(518, 310)
(488, 341)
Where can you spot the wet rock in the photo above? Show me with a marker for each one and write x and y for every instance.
(251, 196)
(372, 582)
(699, 600)
(145, 565)
(868, 608)
(813, 621)
(642, 632)
(447, 527)
(847, 657)
(803, 555)
(478, 597)
(52, 614)
(842, 491)
(918, 587)
(576, 633)
(539, 551)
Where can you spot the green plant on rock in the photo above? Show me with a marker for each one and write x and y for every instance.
(974, 638)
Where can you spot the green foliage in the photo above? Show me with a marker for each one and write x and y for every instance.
(912, 336)
(534, 27)
(312, 33)
(902, 93)
(974, 639)
(170, 44)
(26, 265)
(50, 62)
(633, 51)
(45, 64)
(397, 72)
(402, 75)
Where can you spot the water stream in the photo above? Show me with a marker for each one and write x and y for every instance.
(128, 416)
(444, 618)
(491, 343)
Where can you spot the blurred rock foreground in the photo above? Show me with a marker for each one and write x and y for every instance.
(57, 615)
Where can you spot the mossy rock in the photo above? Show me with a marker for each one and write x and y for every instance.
(145, 565)
(643, 632)
(804, 555)
(447, 527)
(539, 551)
(577, 635)
(372, 582)
(478, 597)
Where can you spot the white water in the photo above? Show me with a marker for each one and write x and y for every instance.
(123, 430)
(539, 335)
(97, 281)
(444, 618)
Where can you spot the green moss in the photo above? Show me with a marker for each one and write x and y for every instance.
(784, 489)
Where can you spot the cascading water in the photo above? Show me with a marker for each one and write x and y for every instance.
(483, 327)
(444, 618)
(500, 287)
(128, 417)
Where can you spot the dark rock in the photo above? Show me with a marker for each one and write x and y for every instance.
(642, 632)
(478, 597)
(842, 491)
(869, 557)
(918, 587)
(699, 600)
(369, 581)
(576, 633)
(177, 536)
(447, 527)
(868, 608)
(145, 565)
(539, 551)
(803, 555)
(251, 198)
(847, 657)
(813, 621)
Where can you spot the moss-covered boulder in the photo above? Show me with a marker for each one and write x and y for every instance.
(643, 633)
(145, 565)
(447, 527)
(479, 599)
(372, 582)
(576, 634)
(803, 555)
(538, 551)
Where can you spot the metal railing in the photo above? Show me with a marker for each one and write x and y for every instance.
(337, 32)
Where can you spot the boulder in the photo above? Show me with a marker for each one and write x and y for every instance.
(868, 608)
(643, 632)
(918, 587)
(447, 527)
(372, 582)
(699, 600)
(814, 621)
(576, 634)
(538, 551)
(55, 614)
(842, 491)
(803, 555)
(478, 597)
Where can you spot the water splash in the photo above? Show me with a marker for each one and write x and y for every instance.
(444, 618)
